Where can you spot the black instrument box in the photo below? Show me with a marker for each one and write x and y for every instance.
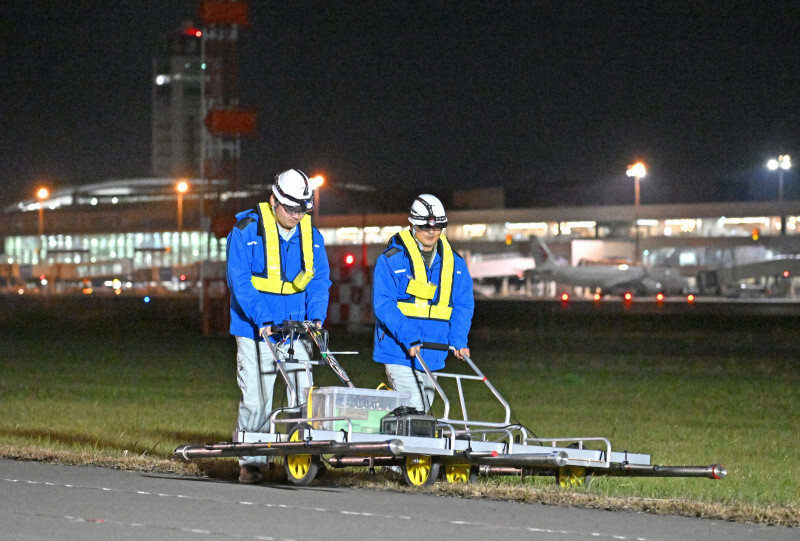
(409, 425)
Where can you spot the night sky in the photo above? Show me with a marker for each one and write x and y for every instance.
(549, 100)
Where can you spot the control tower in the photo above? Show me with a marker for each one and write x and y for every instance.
(177, 124)
(225, 121)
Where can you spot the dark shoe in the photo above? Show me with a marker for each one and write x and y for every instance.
(250, 475)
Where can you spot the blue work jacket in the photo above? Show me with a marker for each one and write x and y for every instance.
(252, 309)
(395, 333)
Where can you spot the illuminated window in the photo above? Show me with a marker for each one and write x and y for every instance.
(372, 235)
(582, 228)
(347, 235)
(474, 230)
(526, 226)
(391, 231)
(682, 225)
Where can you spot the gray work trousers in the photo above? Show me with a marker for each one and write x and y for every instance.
(256, 372)
(416, 382)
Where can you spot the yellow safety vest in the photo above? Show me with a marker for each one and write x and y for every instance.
(424, 291)
(270, 281)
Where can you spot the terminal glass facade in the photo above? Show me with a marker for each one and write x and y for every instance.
(147, 253)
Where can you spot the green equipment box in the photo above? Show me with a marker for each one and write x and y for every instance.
(364, 407)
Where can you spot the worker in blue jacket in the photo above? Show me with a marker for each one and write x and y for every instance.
(277, 270)
(422, 294)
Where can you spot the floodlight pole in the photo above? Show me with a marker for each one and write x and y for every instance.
(637, 171)
(316, 183)
(181, 188)
(783, 163)
(41, 194)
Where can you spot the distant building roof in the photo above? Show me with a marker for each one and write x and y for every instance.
(130, 190)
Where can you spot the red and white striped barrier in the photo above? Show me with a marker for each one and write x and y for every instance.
(351, 296)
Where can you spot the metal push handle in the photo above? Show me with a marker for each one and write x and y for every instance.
(474, 367)
(491, 387)
(321, 341)
(436, 386)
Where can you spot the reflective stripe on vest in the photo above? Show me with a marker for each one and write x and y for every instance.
(424, 291)
(270, 281)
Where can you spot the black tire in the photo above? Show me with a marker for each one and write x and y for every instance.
(420, 471)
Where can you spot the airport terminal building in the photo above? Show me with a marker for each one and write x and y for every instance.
(142, 231)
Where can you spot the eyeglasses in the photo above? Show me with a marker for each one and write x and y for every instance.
(294, 209)
(426, 227)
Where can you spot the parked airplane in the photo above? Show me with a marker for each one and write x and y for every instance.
(769, 278)
(607, 279)
(502, 265)
(498, 273)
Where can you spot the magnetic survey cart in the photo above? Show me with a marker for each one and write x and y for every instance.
(350, 427)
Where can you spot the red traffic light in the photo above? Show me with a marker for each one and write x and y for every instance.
(349, 260)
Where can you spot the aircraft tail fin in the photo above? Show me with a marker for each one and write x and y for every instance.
(541, 253)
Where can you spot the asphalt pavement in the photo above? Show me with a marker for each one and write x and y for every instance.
(53, 502)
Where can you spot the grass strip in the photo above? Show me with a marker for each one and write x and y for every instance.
(121, 384)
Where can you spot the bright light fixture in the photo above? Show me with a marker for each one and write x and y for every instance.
(636, 170)
(783, 161)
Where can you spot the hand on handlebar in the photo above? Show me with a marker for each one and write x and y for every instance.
(413, 351)
(264, 332)
(461, 353)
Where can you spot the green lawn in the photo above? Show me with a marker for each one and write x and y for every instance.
(114, 377)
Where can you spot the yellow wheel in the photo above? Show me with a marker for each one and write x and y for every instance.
(301, 469)
(458, 473)
(571, 476)
(420, 471)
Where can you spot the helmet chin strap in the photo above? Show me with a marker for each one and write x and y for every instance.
(419, 244)
(284, 232)
(427, 255)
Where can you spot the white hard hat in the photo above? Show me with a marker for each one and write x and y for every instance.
(291, 188)
(427, 210)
